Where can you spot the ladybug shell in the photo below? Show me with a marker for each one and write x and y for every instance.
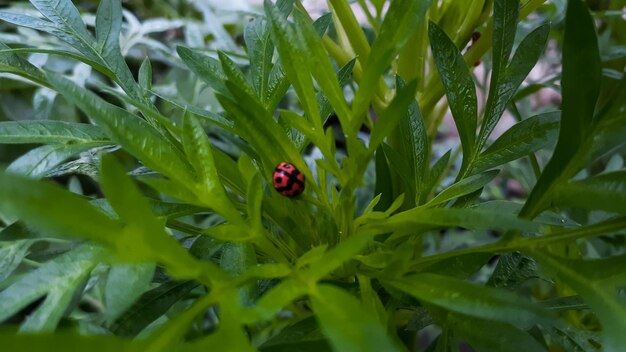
(288, 180)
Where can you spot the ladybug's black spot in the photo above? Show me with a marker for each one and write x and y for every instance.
(278, 179)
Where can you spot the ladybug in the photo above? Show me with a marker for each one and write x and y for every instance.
(288, 180)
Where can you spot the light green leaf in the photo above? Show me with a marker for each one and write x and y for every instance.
(207, 68)
(48, 131)
(401, 21)
(57, 280)
(210, 191)
(336, 309)
(294, 61)
(412, 220)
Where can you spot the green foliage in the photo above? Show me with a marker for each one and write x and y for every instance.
(140, 214)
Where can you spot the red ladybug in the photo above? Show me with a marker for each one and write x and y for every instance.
(288, 180)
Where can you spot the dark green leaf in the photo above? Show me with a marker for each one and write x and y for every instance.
(528, 136)
(581, 86)
(464, 187)
(459, 86)
(603, 192)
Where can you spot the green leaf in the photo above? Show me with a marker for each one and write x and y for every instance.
(505, 84)
(11, 255)
(13, 63)
(57, 280)
(124, 285)
(303, 336)
(209, 189)
(485, 335)
(525, 137)
(401, 21)
(599, 282)
(463, 187)
(294, 60)
(143, 238)
(207, 68)
(322, 68)
(48, 131)
(335, 309)
(475, 301)
(602, 192)
(150, 306)
(145, 75)
(37, 162)
(108, 26)
(513, 270)
(391, 117)
(459, 86)
(64, 13)
(415, 219)
(581, 87)
(135, 135)
(413, 145)
(505, 17)
(66, 341)
(30, 201)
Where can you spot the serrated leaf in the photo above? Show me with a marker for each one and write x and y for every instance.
(209, 188)
(48, 131)
(523, 138)
(505, 84)
(459, 86)
(294, 62)
(39, 161)
(135, 135)
(207, 68)
(57, 280)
